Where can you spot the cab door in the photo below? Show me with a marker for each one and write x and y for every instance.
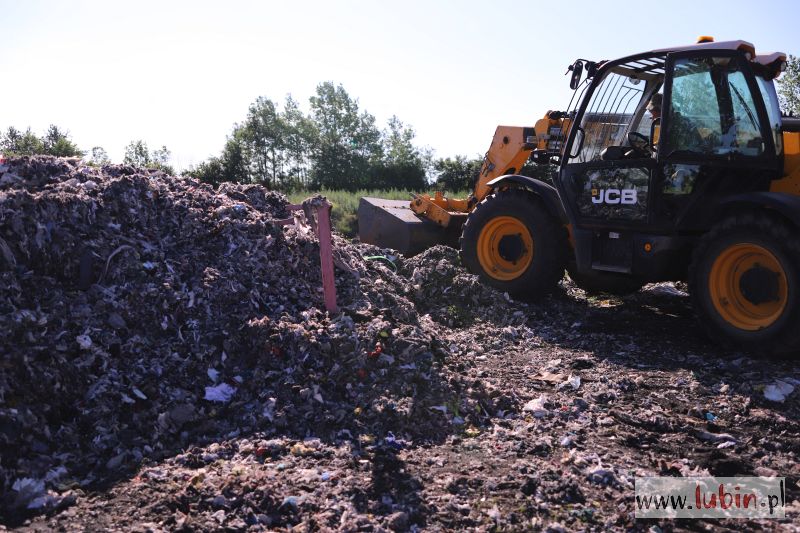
(605, 183)
(715, 139)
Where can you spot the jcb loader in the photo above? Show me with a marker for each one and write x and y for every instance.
(706, 189)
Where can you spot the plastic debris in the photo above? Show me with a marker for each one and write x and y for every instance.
(220, 393)
(536, 407)
(778, 391)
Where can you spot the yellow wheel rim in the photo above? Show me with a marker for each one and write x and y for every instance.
(748, 286)
(505, 248)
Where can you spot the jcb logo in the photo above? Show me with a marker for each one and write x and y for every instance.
(614, 196)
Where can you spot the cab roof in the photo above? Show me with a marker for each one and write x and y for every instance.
(647, 64)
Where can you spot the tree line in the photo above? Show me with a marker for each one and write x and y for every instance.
(336, 145)
(56, 142)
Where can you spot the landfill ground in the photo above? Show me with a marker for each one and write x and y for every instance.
(167, 365)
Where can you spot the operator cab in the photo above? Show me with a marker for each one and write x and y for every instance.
(652, 179)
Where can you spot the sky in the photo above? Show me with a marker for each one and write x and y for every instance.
(182, 73)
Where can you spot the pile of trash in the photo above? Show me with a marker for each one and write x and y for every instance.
(142, 313)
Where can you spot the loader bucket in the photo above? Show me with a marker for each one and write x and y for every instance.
(392, 224)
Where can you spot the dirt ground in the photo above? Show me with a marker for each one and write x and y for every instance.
(177, 374)
(648, 379)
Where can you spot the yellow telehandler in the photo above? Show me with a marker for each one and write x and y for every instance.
(673, 164)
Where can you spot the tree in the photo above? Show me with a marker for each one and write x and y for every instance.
(402, 166)
(398, 144)
(99, 157)
(263, 132)
(337, 146)
(789, 87)
(56, 142)
(16, 143)
(300, 133)
(208, 171)
(234, 161)
(458, 173)
(347, 142)
(137, 154)
(230, 166)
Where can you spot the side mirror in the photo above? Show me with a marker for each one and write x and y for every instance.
(577, 72)
(653, 140)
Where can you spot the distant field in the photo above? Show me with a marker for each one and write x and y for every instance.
(345, 204)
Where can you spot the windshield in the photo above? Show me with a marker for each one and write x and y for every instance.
(616, 106)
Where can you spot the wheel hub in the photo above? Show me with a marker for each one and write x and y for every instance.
(760, 285)
(511, 248)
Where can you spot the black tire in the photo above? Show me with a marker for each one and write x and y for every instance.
(751, 231)
(605, 282)
(547, 260)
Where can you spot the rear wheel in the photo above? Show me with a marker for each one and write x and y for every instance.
(745, 285)
(514, 244)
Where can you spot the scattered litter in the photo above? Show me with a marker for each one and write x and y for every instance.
(220, 393)
(573, 382)
(778, 391)
(536, 407)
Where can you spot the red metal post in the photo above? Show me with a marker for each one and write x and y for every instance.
(326, 256)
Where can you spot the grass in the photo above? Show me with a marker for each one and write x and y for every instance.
(345, 204)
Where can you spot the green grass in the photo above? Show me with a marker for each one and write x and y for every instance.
(345, 204)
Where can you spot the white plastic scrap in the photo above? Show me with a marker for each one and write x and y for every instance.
(572, 381)
(778, 391)
(269, 409)
(220, 393)
(536, 407)
(84, 341)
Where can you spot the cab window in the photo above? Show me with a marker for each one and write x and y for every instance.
(712, 111)
(609, 114)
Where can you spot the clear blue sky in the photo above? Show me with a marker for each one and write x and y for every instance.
(182, 73)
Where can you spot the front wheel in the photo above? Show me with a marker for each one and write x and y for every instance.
(514, 244)
(745, 286)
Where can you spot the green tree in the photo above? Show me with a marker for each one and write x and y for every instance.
(99, 157)
(789, 87)
(398, 145)
(14, 142)
(210, 171)
(58, 143)
(55, 142)
(231, 165)
(347, 142)
(300, 133)
(264, 136)
(138, 155)
(458, 173)
(403, 165)
(234, 161)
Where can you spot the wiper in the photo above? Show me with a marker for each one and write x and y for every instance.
(744, 105)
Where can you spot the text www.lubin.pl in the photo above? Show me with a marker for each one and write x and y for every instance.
(746, 497)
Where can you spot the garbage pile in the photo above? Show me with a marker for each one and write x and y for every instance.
(142, 313)
(167, 365)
